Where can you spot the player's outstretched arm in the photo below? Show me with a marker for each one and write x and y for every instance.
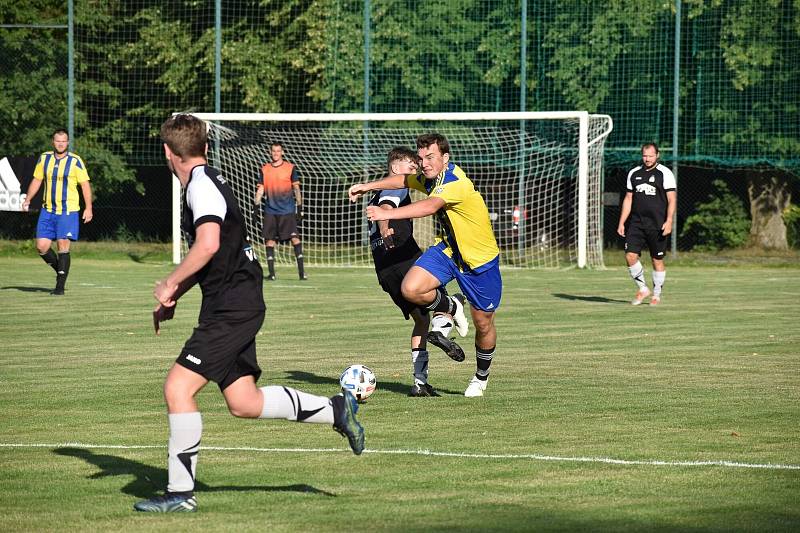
(395, 181)
(418, 209)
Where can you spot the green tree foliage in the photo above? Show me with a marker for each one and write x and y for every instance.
(719, 223)
(33, 92)
(791, 217)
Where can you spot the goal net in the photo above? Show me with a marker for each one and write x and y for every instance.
(539, 173)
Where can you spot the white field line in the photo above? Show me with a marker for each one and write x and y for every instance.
(529, 456)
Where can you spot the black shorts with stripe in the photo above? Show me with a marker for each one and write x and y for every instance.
(391, 281)
(281, 228)
(222, 347)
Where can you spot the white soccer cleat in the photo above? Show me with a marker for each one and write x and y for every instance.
(443, 323)
(655, 300)
(459, 318)
(475, 388)
(643, 293)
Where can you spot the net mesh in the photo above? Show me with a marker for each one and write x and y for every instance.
(527, 173)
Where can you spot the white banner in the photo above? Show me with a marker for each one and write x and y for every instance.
(11, 197)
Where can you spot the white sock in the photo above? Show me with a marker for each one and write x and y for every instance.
(637, 274)
(658, 281)
(419, 359)
(295, 405)
(185, 430)
(442, 324)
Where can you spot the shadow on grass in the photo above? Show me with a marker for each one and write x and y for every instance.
(149, 480)
(391, 386)
(146, 257)
(24, 289)
(597, 299)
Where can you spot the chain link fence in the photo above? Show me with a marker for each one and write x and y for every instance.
(732, 64)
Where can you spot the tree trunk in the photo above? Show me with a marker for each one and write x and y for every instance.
(769, 196)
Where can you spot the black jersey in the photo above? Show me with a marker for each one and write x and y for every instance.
(405, 247)
(232, 280)
(649, 188)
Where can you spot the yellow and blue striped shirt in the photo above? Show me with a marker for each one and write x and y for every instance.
(61, 178)
(466, 228)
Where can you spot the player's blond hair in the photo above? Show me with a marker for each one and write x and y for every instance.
(185, 135)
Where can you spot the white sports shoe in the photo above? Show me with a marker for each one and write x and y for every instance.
(459, 318)
(475, 388)
(640, 296)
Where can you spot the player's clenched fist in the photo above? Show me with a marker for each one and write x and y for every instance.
(375, 213)
(355, 191)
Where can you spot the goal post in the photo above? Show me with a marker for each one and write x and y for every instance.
(540, 173)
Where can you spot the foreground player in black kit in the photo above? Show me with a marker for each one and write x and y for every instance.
(222, 346)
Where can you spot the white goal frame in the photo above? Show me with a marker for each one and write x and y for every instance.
(584, 143)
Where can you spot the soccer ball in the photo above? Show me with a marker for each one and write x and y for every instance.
(359, 380)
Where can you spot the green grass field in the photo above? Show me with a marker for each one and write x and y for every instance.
(598, 416)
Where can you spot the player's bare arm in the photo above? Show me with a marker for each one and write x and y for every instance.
(33, 188)
(205, 246)
(86, 190)
(419, 209)
(162, 313)
(624, 213)
(385, 231)
(259, 194)
(672, 202)
(298, 196)
(395, 181)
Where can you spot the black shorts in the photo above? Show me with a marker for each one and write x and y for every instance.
(280, 228)
(391, 280)
(222, 347)
(637, 237)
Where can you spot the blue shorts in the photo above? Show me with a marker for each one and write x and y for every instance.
(483, 289)
(52, 226)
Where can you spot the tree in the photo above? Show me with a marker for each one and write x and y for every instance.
(758, 40)
(33, 94)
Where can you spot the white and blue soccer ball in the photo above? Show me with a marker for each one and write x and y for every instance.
(359, 380)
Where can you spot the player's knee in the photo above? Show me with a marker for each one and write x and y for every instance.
(42, 247)
(178, 397)
(484, 322)
(412, 294)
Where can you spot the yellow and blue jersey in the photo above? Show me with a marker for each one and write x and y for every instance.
(61, 178)
(466, 230)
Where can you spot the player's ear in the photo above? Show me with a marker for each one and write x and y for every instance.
(446, 157)
(205, 151)
(167, 151)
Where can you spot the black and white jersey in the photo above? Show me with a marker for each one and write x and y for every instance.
(405, 247)
(649, 188)
(232, 280)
